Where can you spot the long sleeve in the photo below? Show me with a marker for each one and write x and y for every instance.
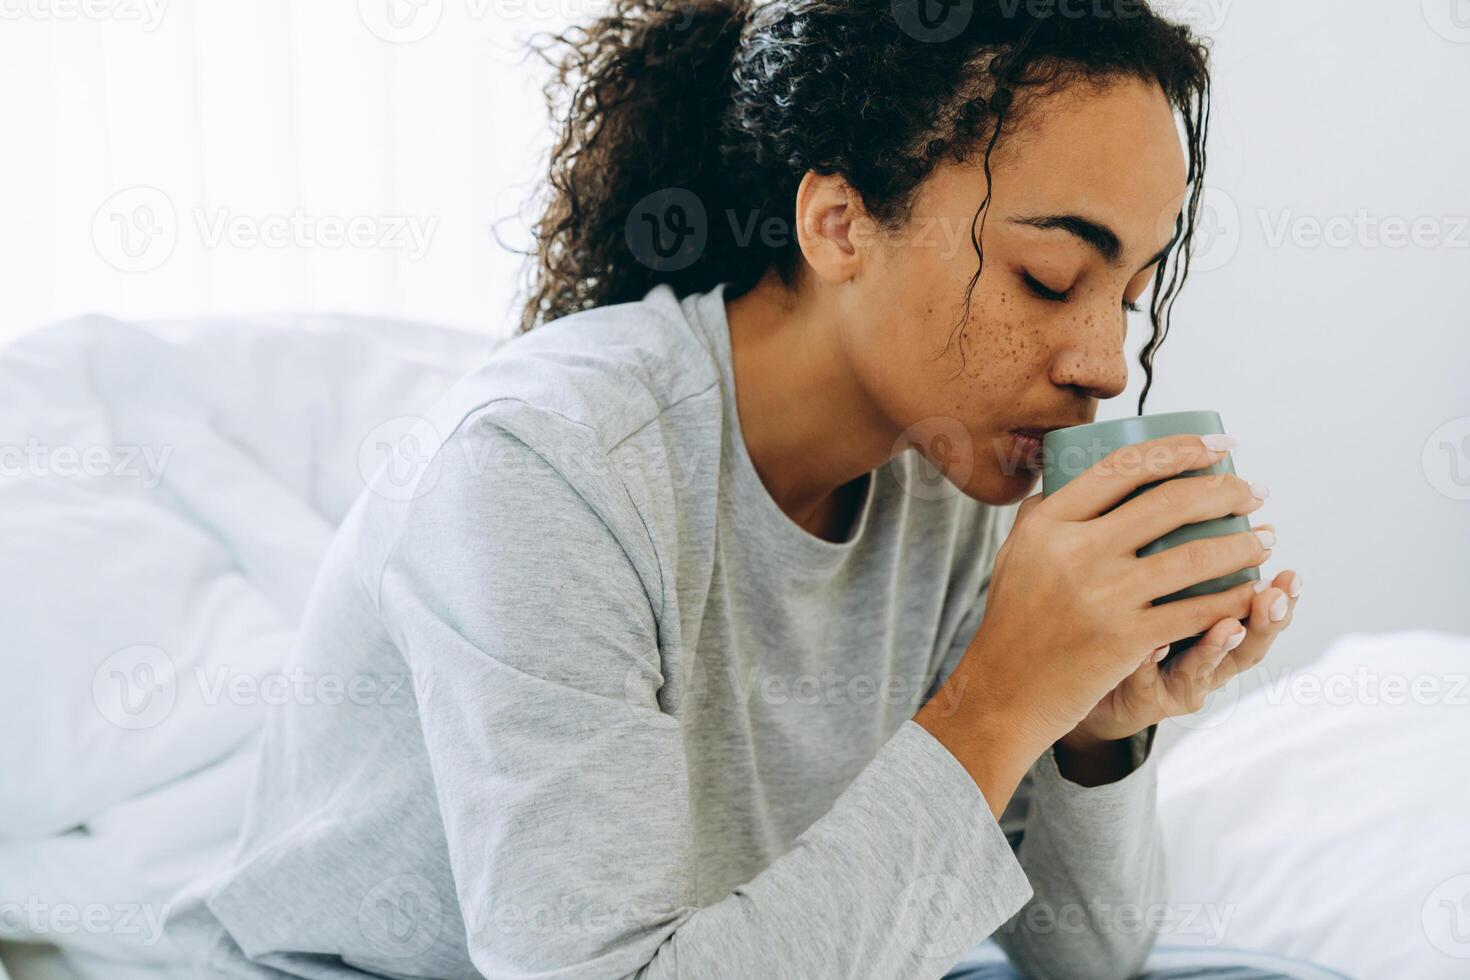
(1093, 855)
(531, 628)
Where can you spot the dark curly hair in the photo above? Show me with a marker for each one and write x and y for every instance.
(726, 105)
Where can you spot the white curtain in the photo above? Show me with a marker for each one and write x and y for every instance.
(181, 157)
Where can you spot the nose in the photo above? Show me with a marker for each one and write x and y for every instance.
(1094, 365)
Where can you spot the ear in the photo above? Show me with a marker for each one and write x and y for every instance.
(833, 229)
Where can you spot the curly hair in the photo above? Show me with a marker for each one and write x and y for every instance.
(727, 104)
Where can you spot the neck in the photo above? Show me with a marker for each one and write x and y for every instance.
(809, 427)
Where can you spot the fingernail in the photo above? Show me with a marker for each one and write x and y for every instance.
(1219, 443)
(1295, 589)
(1160, 653)
(1234, 640)
(1278, 609)
(1261, 586)
(1260, 491)
(1266, 537)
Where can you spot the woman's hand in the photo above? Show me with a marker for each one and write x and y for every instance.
(1070, 613)
(1154, 692)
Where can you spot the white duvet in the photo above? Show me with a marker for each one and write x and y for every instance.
(166, 490)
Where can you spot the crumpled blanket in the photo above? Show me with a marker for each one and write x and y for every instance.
(167, 490)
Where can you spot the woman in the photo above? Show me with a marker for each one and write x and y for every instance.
(698, 680)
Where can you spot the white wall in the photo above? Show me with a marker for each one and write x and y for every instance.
(1338, 353)
(1337, 365)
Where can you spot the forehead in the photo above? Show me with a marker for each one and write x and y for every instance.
(1111, 153)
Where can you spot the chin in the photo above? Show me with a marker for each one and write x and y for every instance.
(1001, 489)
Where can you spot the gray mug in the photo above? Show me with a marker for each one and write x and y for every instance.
(1066, 453)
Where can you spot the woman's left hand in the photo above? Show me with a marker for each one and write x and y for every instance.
(1149, 694)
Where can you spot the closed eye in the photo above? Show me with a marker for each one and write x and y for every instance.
(1042, 290)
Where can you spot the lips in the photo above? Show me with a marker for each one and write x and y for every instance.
(1028, 446)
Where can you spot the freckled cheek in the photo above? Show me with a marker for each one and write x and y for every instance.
(1011, 345)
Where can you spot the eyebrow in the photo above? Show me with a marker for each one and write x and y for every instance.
(1099, 237)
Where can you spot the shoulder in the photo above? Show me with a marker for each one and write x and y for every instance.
(609, 371)
(527, 444)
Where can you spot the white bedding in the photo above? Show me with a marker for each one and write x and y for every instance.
(166, 492)
(138, 588)
(1326, 813)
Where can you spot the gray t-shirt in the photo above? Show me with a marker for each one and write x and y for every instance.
(606, 711)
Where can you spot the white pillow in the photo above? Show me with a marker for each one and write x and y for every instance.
(1325, 814)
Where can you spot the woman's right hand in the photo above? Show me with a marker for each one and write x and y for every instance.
(1070, 609)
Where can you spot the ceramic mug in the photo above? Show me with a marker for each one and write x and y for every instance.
(1066, 453)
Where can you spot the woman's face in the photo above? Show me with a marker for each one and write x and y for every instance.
(1086, 194)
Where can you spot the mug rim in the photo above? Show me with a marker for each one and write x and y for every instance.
(1130, 420)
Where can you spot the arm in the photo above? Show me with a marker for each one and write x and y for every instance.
(1094, 855)
(561, 775)
(1083, 823)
